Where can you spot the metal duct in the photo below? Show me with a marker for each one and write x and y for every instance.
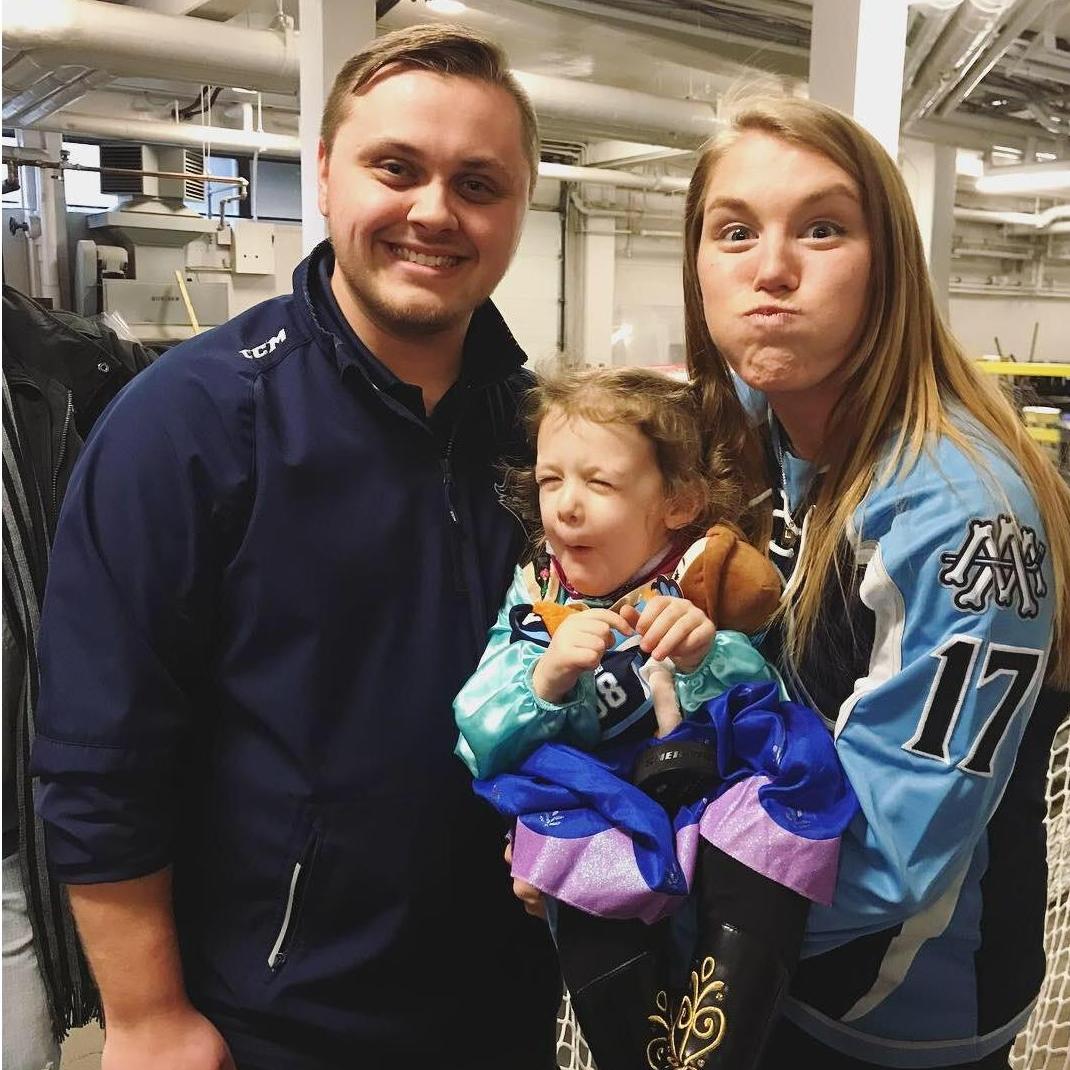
(1019, 18)
(965, 37)
(1046, 119)
(55, 90)
(936, 18)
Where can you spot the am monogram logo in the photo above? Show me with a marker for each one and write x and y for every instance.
(1000, 559)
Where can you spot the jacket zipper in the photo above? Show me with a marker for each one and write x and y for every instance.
(455, 533)
(60, 456)
(280, 949)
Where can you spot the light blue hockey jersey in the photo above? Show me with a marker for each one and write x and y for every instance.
(928, 954)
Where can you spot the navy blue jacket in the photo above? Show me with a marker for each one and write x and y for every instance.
(271, 577)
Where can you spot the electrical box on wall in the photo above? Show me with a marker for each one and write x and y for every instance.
(254, 248)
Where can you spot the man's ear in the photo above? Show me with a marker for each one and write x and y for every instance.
(323, 163)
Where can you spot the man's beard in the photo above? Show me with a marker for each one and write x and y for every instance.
(404, 320)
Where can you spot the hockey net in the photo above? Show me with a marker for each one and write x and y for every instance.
(1045, 1042)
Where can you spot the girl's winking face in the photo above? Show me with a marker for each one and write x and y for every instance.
(603, 501)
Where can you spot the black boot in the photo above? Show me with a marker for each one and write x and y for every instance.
(749, 934)
(614, 973)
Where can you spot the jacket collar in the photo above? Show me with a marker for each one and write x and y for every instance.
(491, 353)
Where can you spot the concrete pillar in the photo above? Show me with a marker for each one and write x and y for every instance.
(929, 172)
(857, 51)
(46, 203)
(598, 252)
(331, 31)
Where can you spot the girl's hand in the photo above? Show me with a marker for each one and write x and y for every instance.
(672, 628)
(577, 647)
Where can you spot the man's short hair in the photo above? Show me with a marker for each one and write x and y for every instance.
(443, 49)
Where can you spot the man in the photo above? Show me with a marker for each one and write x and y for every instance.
(276, 565)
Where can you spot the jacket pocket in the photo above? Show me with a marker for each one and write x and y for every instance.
(296, 893)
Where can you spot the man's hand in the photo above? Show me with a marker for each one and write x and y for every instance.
(180, 1039)
(577, 647)
(528, 894)
(672, 628)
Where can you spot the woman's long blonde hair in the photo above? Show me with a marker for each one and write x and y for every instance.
(905, 372)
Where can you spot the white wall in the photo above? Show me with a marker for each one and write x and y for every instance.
(529, 295)
(648, 319)
(978, 320)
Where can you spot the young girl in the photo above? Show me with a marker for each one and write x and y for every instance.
(622, 809)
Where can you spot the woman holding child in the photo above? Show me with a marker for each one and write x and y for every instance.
(924, 546)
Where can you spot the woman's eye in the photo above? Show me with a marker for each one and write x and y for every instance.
(824, 229)
(603, 483)
(736, 233)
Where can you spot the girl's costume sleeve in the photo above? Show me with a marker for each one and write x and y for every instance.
(954, 586)
(731, 660)
(500, 718)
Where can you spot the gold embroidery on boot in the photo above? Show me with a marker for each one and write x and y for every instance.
(698, 1022)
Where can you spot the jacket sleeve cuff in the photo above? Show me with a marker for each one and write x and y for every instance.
(577, 717)
(111, 820)
(730, 660)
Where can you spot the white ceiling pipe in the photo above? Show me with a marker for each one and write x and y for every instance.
(229, 139)
(1044, 221)
(605, 177)
(1020, 18)
(129, 41)
(970, 30)
(607, 111)
(163, 132)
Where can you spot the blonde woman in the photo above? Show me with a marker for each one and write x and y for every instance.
(925, 545)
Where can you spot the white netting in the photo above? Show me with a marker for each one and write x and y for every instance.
(572, 1050)
(1045, 1042)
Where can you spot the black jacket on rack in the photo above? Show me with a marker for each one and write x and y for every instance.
(59, 372)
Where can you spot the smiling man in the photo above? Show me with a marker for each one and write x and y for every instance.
(275, 566)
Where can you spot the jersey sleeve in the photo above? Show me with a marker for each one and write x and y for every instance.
(960, 597)
(130, 605)
(500, 718)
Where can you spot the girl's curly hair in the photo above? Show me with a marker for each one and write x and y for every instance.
(667, 412)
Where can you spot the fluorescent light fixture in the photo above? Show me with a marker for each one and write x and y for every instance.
(446, 7)
(1052, 176)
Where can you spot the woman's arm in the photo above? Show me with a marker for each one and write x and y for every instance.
(958, 596)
